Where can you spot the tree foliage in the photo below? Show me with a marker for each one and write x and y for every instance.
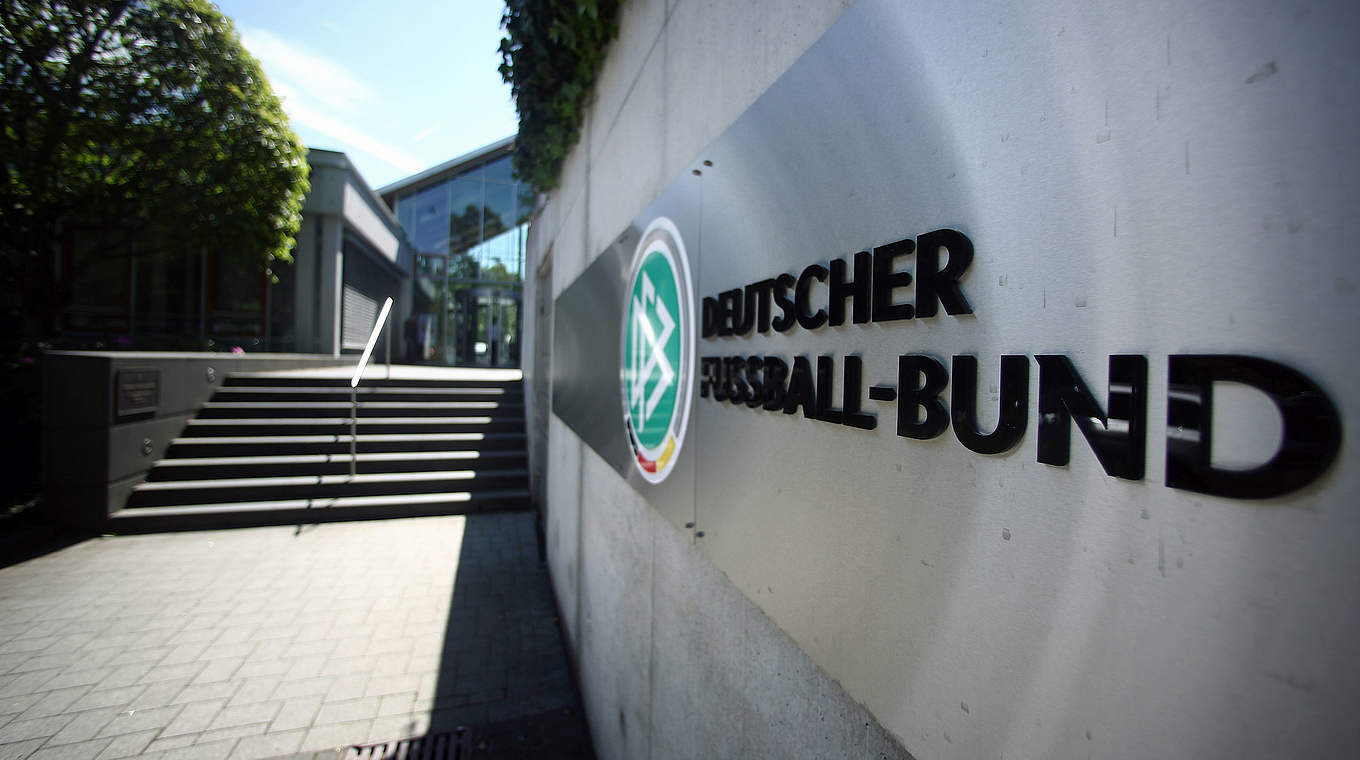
(550, 56)
(135, 127)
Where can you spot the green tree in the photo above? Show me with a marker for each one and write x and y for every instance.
(133, 128)
(128, 128)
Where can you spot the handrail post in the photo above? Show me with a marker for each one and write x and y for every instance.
(389, 349)
(358, 373)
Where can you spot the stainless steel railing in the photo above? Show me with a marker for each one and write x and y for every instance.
(358, 373)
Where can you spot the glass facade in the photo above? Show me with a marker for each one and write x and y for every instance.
(469, 230)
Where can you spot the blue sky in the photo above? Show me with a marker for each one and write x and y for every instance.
(399, 85)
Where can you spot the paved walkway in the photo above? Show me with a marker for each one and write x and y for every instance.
(268, 642)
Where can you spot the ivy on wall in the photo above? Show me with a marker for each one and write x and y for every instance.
(551, 54)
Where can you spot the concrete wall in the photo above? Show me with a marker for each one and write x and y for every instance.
(1153, 179)
(341, 203)
(91, 457)
(674, 661)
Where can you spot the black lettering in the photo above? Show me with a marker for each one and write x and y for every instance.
(859, 290)
(920, 380)
(705, 379)
(826, 366)
(756, 396)
(788, 318)
(1118, 439)
(802, 296)
(776, 372)
(850, 396)
(719, 378)
(762, 296)
(1309, 442)
(710, 316)
(744, 318)
(801, 390)
(1014, 417)
(933, 282)
(885, 280)
(729, 310)
(736, 386)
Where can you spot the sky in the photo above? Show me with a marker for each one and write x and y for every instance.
(399, 86)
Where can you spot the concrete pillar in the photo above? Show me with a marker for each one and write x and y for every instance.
(330, 285)
(304, 277)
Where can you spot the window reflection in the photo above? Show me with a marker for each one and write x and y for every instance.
(469, 231)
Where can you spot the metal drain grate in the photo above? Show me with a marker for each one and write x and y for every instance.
(455, 745)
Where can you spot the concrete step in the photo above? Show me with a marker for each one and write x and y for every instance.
(269, 445)
(365, 393)
(274, 409)
(314, 510)
(341, 425)
(275, 448)
(248, 489)
(202, 468)
(298, 381)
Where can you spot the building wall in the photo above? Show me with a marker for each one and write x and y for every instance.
(674, 661)
(342, 218)
(1152, 179)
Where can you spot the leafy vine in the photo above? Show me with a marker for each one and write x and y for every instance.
(550, 57)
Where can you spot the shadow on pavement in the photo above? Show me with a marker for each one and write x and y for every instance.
(503, 669)
(27, 536)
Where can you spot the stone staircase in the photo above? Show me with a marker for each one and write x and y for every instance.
(274, 448)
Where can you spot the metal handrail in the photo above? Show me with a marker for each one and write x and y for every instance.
(358, 373)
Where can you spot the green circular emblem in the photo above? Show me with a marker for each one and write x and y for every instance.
(658, 350)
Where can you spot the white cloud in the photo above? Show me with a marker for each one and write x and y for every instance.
(320, 94)
(305, 71)
(426, 132)
(349, 137)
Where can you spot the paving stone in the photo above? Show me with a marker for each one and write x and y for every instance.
(83, 726)
(395, 728)
(298, 712)
(185, 670)
(128, 745)
(392, 684)
(125, 675)
(27, 683)
(367, 649)
(348, 687)
(213, 751)
(140, 720)
(231, 732)
(270, 745)
(336, 735)
(159, 694)
(29, 646)
(253, 668)
(169, 743)
(351, 710)
(238, 650)
(18, 703)
(54, 702)
(82, 751)
(396, 704)
(194, 717)
(19, 750)
(346, 666)
(255, 689)
(198, 692)
(240, 715)
(22, 730)
(185, 653)
(303, 687)
(219, 670)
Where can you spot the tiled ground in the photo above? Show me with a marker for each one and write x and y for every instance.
(274, 641)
